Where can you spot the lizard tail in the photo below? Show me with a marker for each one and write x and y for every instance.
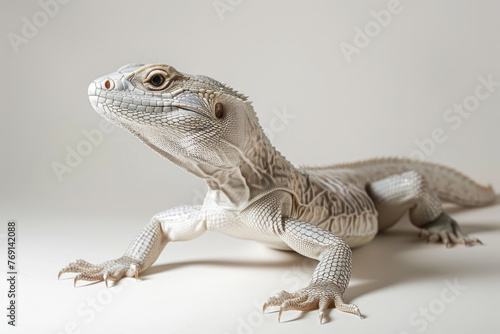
(449, 184)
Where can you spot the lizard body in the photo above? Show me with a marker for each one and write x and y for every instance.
(212, 131)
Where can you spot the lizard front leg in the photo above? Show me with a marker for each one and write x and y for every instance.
(331, 276)
(176, 224)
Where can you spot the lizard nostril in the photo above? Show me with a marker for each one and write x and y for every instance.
(107, 84)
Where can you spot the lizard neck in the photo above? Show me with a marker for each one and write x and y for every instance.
(262, 169)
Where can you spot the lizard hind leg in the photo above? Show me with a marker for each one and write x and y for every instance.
(409, 191)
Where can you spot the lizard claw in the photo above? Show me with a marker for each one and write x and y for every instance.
(264, 307)
(279, 314)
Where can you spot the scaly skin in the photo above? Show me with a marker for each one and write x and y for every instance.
(211, 131)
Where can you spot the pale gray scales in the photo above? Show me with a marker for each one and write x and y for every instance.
(212, 131)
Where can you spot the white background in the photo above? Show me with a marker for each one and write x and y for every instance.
(286, 56)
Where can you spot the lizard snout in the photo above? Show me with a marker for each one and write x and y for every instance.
(92, 94)
(100, 87)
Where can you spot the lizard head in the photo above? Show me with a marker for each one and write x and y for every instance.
(185, 118)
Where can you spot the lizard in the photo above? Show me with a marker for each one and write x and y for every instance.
(212, 131)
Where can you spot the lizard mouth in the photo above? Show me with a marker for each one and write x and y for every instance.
(193, 109)
(92, 91)
(104, 104)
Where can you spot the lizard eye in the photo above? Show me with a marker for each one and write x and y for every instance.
(157, 80)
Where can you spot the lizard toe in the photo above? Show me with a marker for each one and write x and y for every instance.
(80, 266)
(278, 299)
(315, 296)
(90, 277)
(112, 270)
(300, 303)
(446, 230)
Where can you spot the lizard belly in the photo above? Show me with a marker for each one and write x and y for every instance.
(355, 230)
(230, 224)
(238, 229)
(341, 208)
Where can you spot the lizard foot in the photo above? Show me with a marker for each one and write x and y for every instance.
(112, 270)
(446, 230)
(316, 295)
